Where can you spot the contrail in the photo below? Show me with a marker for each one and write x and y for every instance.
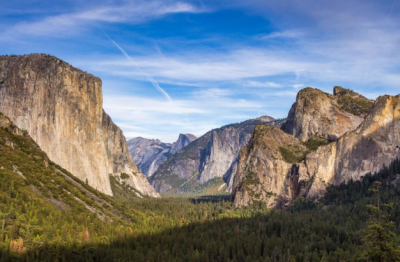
(148, 77)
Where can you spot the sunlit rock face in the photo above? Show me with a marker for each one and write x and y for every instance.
(149, 154)
(367, 149)
(316, 114)
(263, 170)
(374, 144)
(61, 108)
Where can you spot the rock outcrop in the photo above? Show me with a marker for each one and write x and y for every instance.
(214, 155)
(61, 108)
(149, 154)
(318, 115)
(264, 166)
(375, 143)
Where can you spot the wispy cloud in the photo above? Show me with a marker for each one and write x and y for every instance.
(74, 23)
(267, 84)
(296, 33)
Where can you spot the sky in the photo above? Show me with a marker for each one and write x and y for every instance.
(171, 67)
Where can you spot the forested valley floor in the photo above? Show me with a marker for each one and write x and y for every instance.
(47, 215)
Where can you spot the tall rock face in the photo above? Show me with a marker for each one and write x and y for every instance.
(265, 166)
(318, 115)
(61, 108)
(375, 143)
(212, 156)
(149, 154)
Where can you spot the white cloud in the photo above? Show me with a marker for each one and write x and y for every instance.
(297, 86)
(267, 84)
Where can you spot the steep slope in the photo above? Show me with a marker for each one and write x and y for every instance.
(264, 165)
(373, 145)
(318, 115)
(61, 108)
(209, 159)
(31, 181)
(367, 149)
(149, 154)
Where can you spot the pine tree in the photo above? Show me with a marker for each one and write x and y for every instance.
(380, 239)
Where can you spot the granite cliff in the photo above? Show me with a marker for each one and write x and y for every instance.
(149, 154)
(61, 109)
(366, 149)
(264, 165)
(318, 115)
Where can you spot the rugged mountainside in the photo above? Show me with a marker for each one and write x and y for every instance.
(264, 166)
(33, 178)
(373, 144)
(61, 108)
(318, 115)
(210, 158)
(149, 154)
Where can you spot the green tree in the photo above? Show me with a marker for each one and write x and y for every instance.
(380, 240)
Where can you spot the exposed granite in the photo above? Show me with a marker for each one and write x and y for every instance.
(61, 108)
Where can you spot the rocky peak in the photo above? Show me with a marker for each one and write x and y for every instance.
(183, 140)
(61, 109)
(352, 102)
(318, 115)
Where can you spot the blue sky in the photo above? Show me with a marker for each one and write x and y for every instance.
(171, 67)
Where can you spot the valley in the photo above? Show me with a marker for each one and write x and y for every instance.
(265, 189)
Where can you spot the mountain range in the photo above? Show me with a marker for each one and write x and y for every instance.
(327, 139)
(209, 161)
(149, 154)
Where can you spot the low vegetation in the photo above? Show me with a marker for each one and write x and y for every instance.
(292, 154)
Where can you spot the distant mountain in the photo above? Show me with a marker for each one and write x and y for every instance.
(208, 162)
(61, 107)
(149, 154)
